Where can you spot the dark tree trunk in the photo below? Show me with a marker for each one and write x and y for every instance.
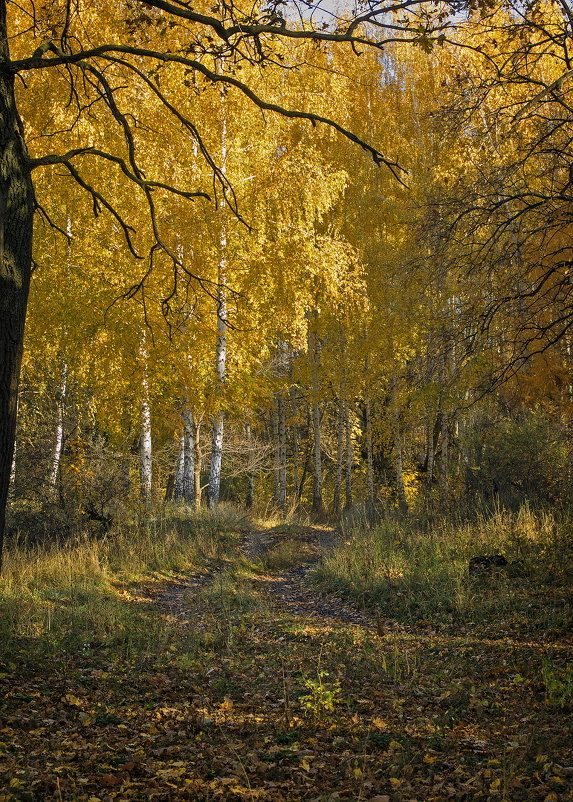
(16, 215)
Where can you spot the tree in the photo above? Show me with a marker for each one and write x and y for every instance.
(94, 54)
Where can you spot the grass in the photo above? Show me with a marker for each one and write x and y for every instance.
(411, 573)
(287, 553)
(112, 697)
(73, 590)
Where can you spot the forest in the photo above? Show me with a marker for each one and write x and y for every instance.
(286, 400)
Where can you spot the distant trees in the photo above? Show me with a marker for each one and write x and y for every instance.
(111, 74)
(323, 334)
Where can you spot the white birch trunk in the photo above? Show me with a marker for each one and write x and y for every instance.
(145, 445)
(59, 439)
(221, 347)
(179, 469)
(197, 464)
(184, 475)
(188, 486)
(145, 450)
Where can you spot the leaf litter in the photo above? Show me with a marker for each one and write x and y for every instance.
(262, 689)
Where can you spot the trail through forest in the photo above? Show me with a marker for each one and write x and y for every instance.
(242, 682)
(288, 590)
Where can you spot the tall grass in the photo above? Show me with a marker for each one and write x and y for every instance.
(71, 589)
(413, 573)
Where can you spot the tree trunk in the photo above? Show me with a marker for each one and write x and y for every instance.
(337, 495)
(279, 431)
(430, 453)
(398, 460)
(145, 447)
(184, 475)
(444, 476)
(197, 464)
(295, 464)
(59, 440)
(179, 469)
(221, 348)
(348, 501)
(250, 494)
(317, 505)
(16, 220)
(188, 486)
(313, 351)
(369, 457)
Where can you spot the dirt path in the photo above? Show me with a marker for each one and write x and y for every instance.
(290, 590)
(287, 589)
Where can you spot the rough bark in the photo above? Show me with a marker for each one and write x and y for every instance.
(430, 453)
(16, 220)
(444, 473)
(179, 469)
(188, 487)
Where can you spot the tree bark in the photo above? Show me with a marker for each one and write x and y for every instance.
(348, 500)
(279, 435)
(145, 446)
(59, 440)
(398, 460)
(317, 504)
(198, 463)
(313, 351)
(337, 495)
(221, 347)
(369, 457)
(179, 469)
(16, 223)
(184, 475)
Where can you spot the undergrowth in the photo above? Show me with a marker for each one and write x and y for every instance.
(74, 590)
(412, 573)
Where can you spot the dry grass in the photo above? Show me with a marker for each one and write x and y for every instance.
(71, 589)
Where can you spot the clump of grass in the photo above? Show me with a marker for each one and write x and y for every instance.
(415, 574)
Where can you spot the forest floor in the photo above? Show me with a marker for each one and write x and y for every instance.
(252, 685)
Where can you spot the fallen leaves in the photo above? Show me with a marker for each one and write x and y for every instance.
(410, 719)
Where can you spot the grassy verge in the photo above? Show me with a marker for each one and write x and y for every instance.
(76, 590)
(412, 574)
(243, 698)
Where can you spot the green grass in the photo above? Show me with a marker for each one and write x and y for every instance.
(412, 574)
(72, 590)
